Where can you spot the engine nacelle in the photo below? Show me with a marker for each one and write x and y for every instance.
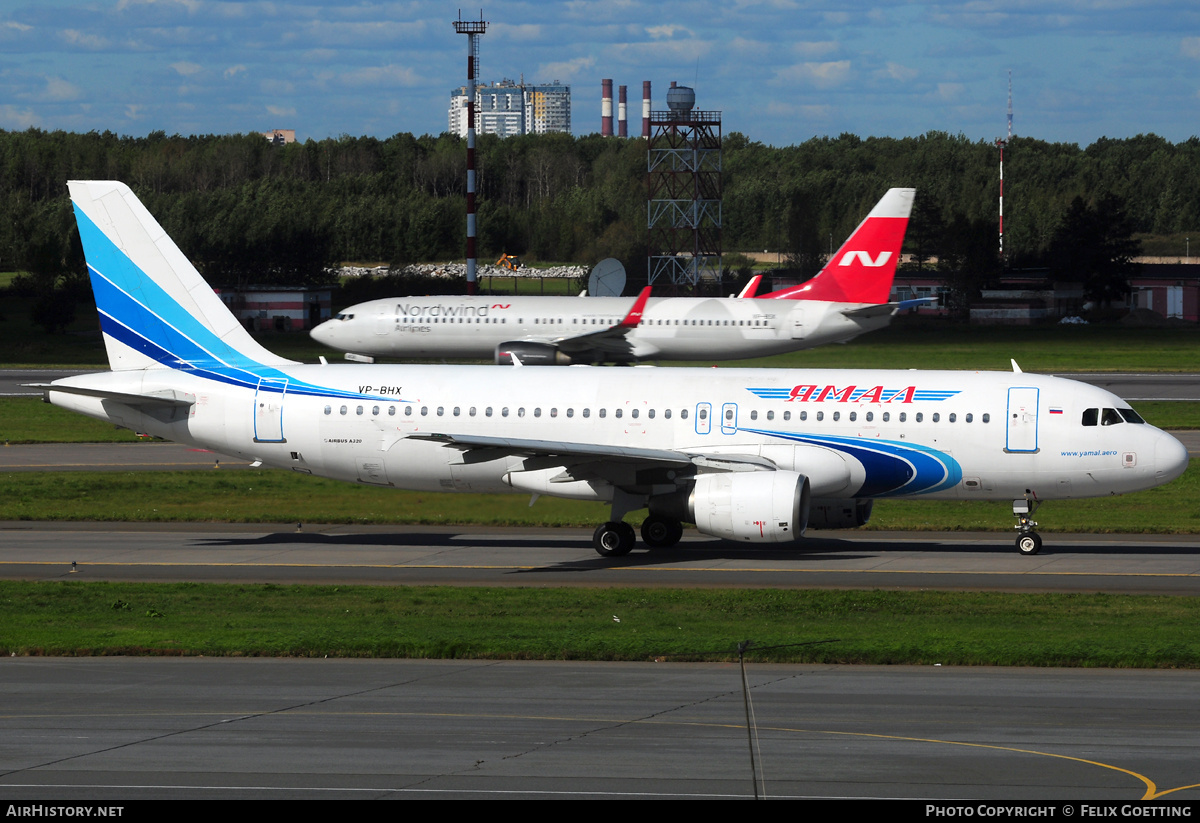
(839, 514)
(761, 507)
(530, 354)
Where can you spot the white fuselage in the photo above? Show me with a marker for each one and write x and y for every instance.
(672, 328)
(853, 433)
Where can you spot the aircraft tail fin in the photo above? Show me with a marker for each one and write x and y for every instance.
(863, 268)
(156, 311)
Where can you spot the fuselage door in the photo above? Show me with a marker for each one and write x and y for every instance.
(729, 418)
(1022, 420)
(703, 418)
(268, 410)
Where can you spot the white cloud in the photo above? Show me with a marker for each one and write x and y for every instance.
(1191, 47)
(58, 89)
(667, 32)
(75, 37)
(949, 91)
(391, 75)
(17, 119)
(821, 75)
(187, 69)
(898, 72)
(565, 71)
(815, 49)
(232, 71)
(281, 111)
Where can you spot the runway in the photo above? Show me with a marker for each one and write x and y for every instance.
(110, 730)
(490, 556)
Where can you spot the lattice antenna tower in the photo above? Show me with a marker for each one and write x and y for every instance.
(473, 29)
(1002, 143)
(684, 192)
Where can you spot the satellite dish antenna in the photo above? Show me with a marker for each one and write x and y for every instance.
(607, 278)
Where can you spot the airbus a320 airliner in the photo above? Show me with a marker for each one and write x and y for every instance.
(845, 299)
(752, 455)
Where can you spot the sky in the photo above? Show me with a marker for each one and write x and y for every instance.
(780, 71)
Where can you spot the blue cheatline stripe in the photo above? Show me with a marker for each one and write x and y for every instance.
(892, 468)
(167, 333)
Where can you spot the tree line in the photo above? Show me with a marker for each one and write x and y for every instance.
(246, 210)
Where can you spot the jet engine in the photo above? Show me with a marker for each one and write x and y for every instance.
(531, 354)
(839, 514)
(761, 507)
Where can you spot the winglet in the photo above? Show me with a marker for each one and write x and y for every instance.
(635, 314)
(751, 287)
(863, 268)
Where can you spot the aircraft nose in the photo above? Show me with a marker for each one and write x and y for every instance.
(323, 333)
(1170, 458)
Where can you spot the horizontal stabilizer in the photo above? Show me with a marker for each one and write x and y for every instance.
(166, 398)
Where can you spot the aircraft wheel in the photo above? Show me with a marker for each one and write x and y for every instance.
(613, 539)
(1029, 544)
(661, 532)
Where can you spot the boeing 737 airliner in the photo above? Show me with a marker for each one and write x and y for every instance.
(847, 298)
(745, 454)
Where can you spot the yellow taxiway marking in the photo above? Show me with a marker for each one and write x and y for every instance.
(1152, 791)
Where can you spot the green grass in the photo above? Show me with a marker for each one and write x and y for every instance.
(876, 627)
(274, 496)
(29, 420)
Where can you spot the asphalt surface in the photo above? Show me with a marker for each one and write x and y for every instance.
(107, 730)
(478, 556)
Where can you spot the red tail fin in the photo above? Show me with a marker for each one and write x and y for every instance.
(863, 268)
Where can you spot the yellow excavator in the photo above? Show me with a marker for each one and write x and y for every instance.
(509, 261)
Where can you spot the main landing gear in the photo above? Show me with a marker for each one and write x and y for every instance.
(1029, 542)
(616, 539)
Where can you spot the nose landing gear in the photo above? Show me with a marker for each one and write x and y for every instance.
(1029, 542)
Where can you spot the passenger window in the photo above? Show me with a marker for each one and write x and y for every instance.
(683, 414)
(617, 412)
(343, 409)
(358, 410)
(787, 415)
(374, 411)
(936, 417)
(391, 411)
(603, 412)
(587, 412)
(634, 413)
(887, 416)
(987, 418)
(820, 416)
(920, 416)
(753, 414)
(853, 416)
(1091, 417)
(329, 409)
(970, 417)
(770, 415)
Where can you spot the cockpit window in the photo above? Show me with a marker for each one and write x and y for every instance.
(343, 316)
(1111, 418)
(1131, 416)
(1091, 417)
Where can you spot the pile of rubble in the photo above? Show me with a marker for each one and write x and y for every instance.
(460, 270)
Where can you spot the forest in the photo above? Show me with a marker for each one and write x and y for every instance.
(245, 210)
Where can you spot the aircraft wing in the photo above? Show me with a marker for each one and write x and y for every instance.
(576, 452)
(612, 339)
